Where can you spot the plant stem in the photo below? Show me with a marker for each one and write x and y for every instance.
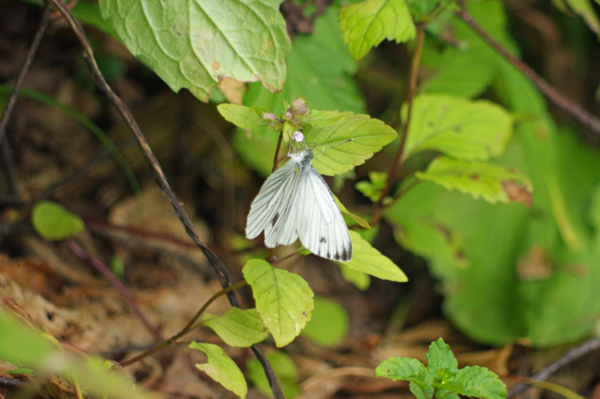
(188, 327)
(586, 119)
(412, 89)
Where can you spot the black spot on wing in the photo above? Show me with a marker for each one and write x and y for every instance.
(323, 239)
(274, 219)
(346, 255)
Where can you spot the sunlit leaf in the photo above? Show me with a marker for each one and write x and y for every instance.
(237, 327)
(463, 129)
(478, 179)
(368, 260)
(244, 117)
(360, 280)
(368, 137)
(194, 43)
(367, 24)
(283, 299)
(222, 368)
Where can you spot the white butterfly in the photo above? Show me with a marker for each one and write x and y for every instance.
(295, 202)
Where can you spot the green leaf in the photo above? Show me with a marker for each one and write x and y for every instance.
(490, 182)
(367, 24)
(463, 129)
(360, 280)
(586, 10)
(361, 222)
(325, 82)
(284, 368)
(328, 324)
(283, 299)
(193, 44)
(237, 327)
(323, 118)
(368, 260)
(476, 382)
(404, 369)
(53, 222)
(244, 117)
(222, 368)
(441, 362)
(372, 189)
(20, 345)
(368, 136)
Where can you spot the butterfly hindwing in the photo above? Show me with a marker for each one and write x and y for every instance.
(321, 226)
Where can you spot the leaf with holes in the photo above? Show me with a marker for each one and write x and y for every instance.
(478, 179)
(463, 129)
(193, 44)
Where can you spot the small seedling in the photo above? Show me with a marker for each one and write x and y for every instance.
(442, 378)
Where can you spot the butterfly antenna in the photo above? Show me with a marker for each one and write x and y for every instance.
(337, 145)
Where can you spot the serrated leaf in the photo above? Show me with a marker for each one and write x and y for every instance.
(476, 382)
(237, 327)
(284, 300)
(463, 129)
(368, 137)
(325, 82)
(244, 117)
(284, 368)
(193, 44)
(54, 222)
(222, 368)
(368, 260)
(328, 324)
(478, 179)
(367, 24)
(441, 362)
(404, 369)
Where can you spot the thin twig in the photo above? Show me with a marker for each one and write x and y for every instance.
(109, 275)
(412, 89)
(162, 183)
(577, 112)
(32, 50)
(189, 326)
(276, 160)
(570, 356)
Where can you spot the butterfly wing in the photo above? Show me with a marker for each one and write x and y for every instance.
(270, 211)
(320, 224)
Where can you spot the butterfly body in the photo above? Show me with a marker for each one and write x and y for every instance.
(295, 202)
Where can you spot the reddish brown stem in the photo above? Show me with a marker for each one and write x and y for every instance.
(578, 113)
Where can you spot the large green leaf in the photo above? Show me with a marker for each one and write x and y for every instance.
(325, 81)
(368, 137)
(193, 44)
(222, 368)
(490, 182)
(368, 260)
(237, 327)
(367, 24)
(463, 129)
(283, 299)
(475, 381)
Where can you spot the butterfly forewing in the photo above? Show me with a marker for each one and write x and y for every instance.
(271, 205)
